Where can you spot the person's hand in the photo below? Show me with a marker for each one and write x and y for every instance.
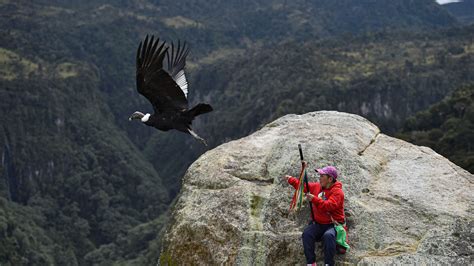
(305, 163)
(309, 196)
(287, 177)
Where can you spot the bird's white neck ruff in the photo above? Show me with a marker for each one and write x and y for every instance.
(145, 118)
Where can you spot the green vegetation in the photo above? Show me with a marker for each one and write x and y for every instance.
(65, 159)
(13, 64)
(447, 127)
(23, 239)
(384, 77)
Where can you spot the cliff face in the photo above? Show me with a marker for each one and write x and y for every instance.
(408, 203)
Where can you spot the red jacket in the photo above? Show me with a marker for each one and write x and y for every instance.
(326, 202)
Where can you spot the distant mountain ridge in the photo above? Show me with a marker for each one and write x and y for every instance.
(463, 10)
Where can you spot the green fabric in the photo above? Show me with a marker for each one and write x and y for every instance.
(341, 236)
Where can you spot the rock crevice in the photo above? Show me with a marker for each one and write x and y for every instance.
(372, 141)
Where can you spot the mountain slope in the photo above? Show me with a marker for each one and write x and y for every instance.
(64, 157)
(447, 127)
(463, 11)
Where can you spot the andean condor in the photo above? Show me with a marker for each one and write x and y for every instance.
(166, 89)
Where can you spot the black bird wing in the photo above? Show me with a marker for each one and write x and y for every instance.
(176, 60)
(154, 82)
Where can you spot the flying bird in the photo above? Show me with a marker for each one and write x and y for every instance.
(166, 87)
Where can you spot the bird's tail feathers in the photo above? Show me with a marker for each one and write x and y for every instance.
(200, 109)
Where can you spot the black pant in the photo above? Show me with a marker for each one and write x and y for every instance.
(317, 232)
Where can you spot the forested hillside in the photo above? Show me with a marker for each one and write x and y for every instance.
(382, 76)
(65, 161)
(447, 127)
(81, 184)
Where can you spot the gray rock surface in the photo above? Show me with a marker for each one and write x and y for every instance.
(409, 204)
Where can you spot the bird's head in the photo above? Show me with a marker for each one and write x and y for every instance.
(136, 115)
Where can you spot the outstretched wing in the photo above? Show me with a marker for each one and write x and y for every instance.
(176, 63)
(153, 81)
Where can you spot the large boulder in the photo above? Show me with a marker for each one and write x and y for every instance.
(408, 203)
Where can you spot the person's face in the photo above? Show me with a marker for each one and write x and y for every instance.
(324, 180)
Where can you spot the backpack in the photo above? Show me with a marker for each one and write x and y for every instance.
(342, 240)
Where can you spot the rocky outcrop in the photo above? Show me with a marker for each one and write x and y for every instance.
(408, 203)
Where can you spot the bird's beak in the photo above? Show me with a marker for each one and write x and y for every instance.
(136, 115)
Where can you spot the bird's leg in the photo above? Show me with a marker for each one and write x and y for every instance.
(197, 137)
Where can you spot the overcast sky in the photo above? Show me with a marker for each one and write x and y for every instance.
(447, 1)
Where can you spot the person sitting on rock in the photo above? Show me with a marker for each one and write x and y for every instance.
(328, 208)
